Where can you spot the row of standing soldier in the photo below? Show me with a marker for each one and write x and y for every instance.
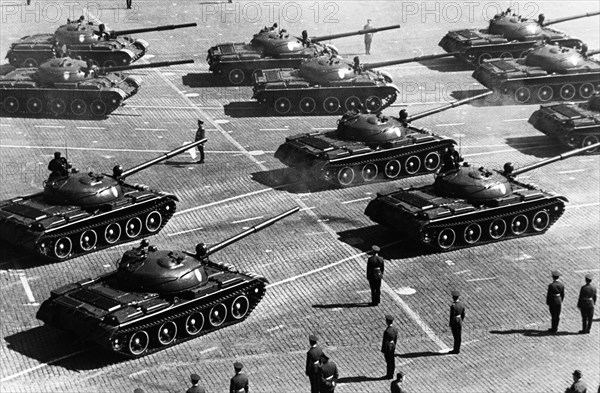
(238, 384)
(586, 301)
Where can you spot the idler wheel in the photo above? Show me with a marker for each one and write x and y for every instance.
(34, 105)
(369, 172)
(586, 90)
(392, 169)
(217, 315)
(506, 55)
(483, 57)
(432, 161)
(78, 107)
(133, 227)
(240, 307)
(138, 343)
(282, 105)
(63, 247)
(540, 221)
(352, 103)
(88, 240)
(412, 165)
(30, 63)
(307, 105)
(373, 103)
(11, 104)
(567, 92)
(545, 93)
(112, 233)
(98, 108)
(331, 105)
(345, 176)
(519, 224)
(153, 221)
(590, 140)
(497, 229)
(194, 323)
(446, 238)
(472, 233)
(58, 106)
(167, 333)
(522, 95)
(236, 76)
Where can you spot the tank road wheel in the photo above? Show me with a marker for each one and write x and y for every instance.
(78, 107)
(11, 104)
(194, 323)
(446, 238)
(34, 105)
(519, 225)
(58, 106)
(236, 76)
(88, 240)
(30, 63)
(506, 55)
(373, 103)
(331, 105)
(240, 307)
(586, 90)
(98, 108)
(497, 229)
(567, 92)
(307, 105)
(345, 176)
(540, 221)
(352, 103)
(116, 344)
(167, 333)
(545, 93)
(472, 233)
(138, 343)
(590, 140)
(392, 169)
(217, 315)
(522, 95)
(112, 233)
(432, 161)
(282, 105)
(482, 57)
(133, 227)
(369, 172)
(153, 221)
(63, 247)
(412, 165)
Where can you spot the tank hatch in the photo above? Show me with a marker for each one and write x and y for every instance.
(64, 70)
(370, 128)
(472, 184)
(77, 32)
(85, 190)
(554, 58)
(148, 269)
(513, 27)
(326, 69)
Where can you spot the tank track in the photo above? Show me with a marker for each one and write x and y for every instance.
(150, 327)
(166, 207)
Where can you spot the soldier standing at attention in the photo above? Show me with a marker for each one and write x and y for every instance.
(328, 375)
(388, 346)
(585, 303)
(195, 388)
(128, 4)
(313, 359)
(368, 37)
(239, 382)
(578, 385)
(457, 314)
(554, 299)
(397, 384)
(375, 268)
(200, 134)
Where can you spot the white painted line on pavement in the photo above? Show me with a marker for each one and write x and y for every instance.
(584, 205)
(314, 233)
(273, 129)
(186, 231)
(150, 129)
(209, 350)
(274, 328)
(322, 128)
(504, 151)
(247, 219)
(356, 200)
(463, 271)
(587, 270)
(482, 279)
(91, 128)
(49, 126)
(27, 288)
(223, 201)
(573, 171)
(449, 124)
(8, 378)
(5, 125)
(515, 119)
(585, 248)
(138, 373)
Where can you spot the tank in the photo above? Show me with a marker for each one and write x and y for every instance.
(157, 298)
(65, 87)
(573, 125)
(547, 72)
(236, 63)
(87, 40)
(368, 147)
(469, 206)
(80, 213)
(328, 85)
(507, 36)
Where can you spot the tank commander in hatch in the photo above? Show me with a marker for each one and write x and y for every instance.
(451, 159)
(58, 166)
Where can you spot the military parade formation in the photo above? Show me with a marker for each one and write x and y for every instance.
(155, 298)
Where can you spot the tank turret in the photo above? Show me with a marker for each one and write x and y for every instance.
(471, 205)
(329, 84)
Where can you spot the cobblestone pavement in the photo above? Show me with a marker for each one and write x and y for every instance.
(314, 260)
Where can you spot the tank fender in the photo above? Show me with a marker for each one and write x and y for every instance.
(386, 76)
(170, 196)
(332, 48)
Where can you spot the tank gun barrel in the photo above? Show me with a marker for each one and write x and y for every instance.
(359, 32)
(567, 18)
(447, 106)
(104, 70)
(554, 159)
(592, 52)
(249, 231)
(370, 66)
(116, 33)
(163, 157)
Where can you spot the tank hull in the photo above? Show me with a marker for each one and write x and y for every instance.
(446, 224)
(63, 232)
(322, 157)
(134, 324)
(477, 45)
(572, 125)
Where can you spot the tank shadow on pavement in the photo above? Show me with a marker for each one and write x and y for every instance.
(289, 180)
(540, 146)
(205, 79)
(448, 64)
(13, 257)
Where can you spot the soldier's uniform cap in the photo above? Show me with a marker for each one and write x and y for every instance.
(314, 338)
(238, 365)
(455, 293)
(589, 277)
(555, 273)
(195, 377)
(578, 373)
(376, 248)
(389, 317)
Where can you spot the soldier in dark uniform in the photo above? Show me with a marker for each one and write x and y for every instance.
(313, 362)
(554, 299)
(128, 2)
(451, 159)
(328, 375)
(239, 382)
(403, 117)
(457, 314)
(388, 346)
(397, 385)
(195, 388)
(375, 268)
(200, 134)
(578, 385)
(58, 166)
(585, 303)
